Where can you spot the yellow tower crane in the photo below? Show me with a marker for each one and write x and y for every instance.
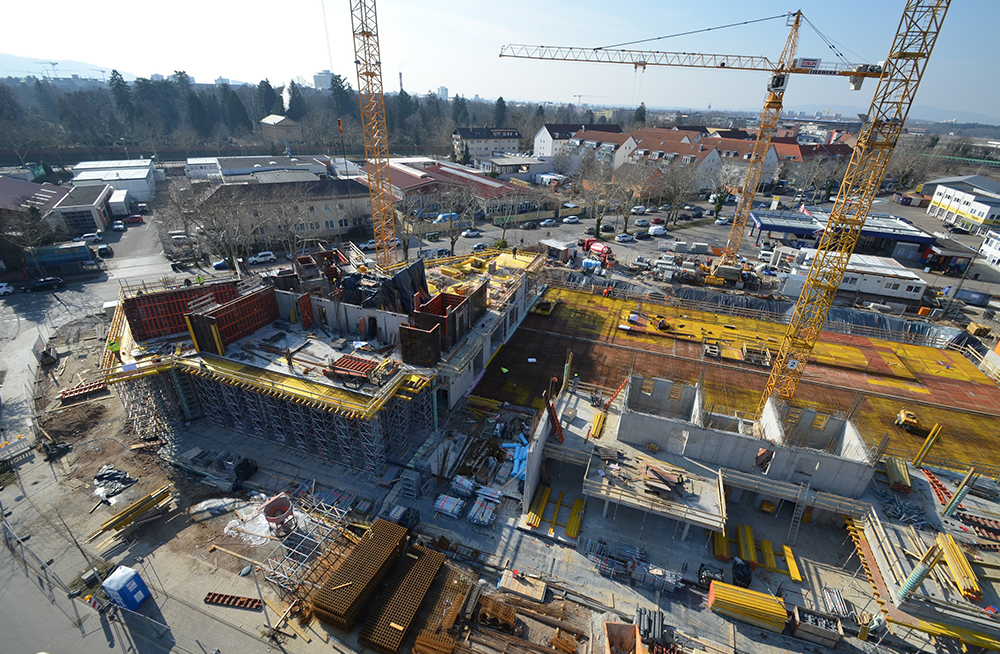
(367, 60)
(787, 64)
(911, 48)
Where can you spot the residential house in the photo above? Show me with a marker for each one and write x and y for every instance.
(609, 148)
(485, 142)
(553, 138)
(314, 210)
(280, 128)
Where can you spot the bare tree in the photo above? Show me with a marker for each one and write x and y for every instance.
(628, 185)
(726, 178)
(594, 186)
(678, 182)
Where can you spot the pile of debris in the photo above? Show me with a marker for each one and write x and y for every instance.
(112, 481)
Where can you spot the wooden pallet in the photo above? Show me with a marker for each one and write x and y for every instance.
(235, 601)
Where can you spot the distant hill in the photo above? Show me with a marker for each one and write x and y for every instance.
(15, 66)
(917, 112)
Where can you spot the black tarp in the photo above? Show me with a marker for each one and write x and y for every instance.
(387, 293)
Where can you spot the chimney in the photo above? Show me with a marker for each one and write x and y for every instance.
(701, 147)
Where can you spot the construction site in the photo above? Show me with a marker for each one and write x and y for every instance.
(501, 454)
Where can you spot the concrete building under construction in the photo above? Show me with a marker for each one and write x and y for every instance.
(328, 358)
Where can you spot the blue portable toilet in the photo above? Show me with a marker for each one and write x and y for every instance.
(126, 588)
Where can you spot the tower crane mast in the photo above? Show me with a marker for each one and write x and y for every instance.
(368, 62)
(903, 69)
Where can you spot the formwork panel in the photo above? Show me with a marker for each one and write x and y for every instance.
(153, 315)
(390, 618)
(245, 315)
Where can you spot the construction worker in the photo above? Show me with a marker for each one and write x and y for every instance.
(514, 251)
(504, 371)
(576, 381)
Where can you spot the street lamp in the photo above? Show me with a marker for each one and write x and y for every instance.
(122, 139)
(263, 607)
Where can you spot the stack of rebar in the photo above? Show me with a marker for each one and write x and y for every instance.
(431, 643)
(483, 511)
(496, 613)
(341, 598)
(759, 609)
(386, 625)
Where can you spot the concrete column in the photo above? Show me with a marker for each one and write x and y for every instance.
(687, 528)
(607, 503)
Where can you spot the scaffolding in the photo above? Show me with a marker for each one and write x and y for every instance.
(151, 407)
(290, 565)
(358, 443)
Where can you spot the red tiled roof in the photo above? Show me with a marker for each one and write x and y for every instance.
(601, 137)
(481, 185)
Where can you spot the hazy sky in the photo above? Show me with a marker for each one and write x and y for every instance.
(455, 43)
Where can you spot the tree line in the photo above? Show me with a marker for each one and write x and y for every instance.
(173, 111)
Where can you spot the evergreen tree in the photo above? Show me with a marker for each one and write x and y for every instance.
(460, 111)
(121, 94)
(198, 116)
(236, 114)
(265, 97)
(278, 108)
(540, 112)
(500, 113)
(640, 114)
(344, 102)
(296, 102)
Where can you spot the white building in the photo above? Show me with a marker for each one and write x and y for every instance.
(201, 168)
(553, 138)
(610, 149)
(322, 80)
(485, 141)
(974, 209)
(990, 249)
(879, 276)
(443, 92)
(86, 208)
(140, 183)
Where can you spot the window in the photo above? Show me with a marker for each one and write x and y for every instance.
(326, 207)
(330, 224)
(314, 227)
(850, 281)
(892, 287)
(300, 227)
(295, 208)
(344, 223)
(312, 209)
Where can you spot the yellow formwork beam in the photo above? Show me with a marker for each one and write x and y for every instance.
(759, 609)
(958, 565)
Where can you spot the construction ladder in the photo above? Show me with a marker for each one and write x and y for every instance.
(800, 508)
(189, 401)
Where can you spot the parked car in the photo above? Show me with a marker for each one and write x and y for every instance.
(105, 251)
(590, 230)
(445, 218)
(641, 222)
(698, 212)
(624, 238)
(44, 284)
(92, 237)
(723, 221)
(530, 225)
(118, 226)
(479, 247)
(368, 245)
(638, 210)
(262, 257)
(5, 288)
(684, 216)
(666, 207)
(548, 222)
(472, 233)
(641, 235)
(221, 264)
(657, 230)
(658, 221)
(607, 229)
(571, 220)
(134, 219)
(765, 255)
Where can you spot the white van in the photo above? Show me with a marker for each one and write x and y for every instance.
(657, 230)
(639, 210)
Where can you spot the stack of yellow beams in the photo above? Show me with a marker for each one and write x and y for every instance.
(598, 426)
(721, 542)
(745, 544)
(575, 518)
(538, 506)
(768, 554)
(759, 609)
(134, 511)
(958, 566)
(793, 568)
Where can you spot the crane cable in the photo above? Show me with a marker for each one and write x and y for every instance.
(701, 31)
(830, 44)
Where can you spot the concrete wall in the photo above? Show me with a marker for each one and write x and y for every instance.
(826, 472)
(770, 422)
(657, 401)
(343, 319)
(533, 474)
